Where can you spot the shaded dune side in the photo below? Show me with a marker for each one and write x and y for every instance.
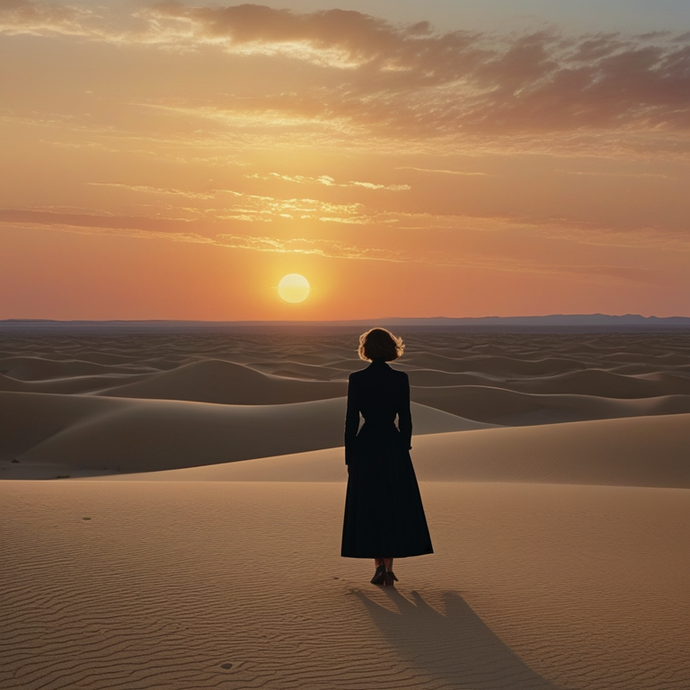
(506, 407)
(594, 382)
(9, 384)
(69, 385)
(298, 370)
(94, 433)
(216, 381)
(25, 368)
(231, 383)
(493, 365)
(606, 384)
(646, 451)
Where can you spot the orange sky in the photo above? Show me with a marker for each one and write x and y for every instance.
(174, 161)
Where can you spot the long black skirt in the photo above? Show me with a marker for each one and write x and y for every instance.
(384, 516)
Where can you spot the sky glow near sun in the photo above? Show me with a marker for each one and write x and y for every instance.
(168, 160)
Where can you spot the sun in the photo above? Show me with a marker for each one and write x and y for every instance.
(294, 288)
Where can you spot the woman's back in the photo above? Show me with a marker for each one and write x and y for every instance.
(380, 392)
(384, 516)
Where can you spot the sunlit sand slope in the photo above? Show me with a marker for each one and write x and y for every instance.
(151, 585)
(646, 451)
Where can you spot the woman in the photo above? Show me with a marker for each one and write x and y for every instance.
(384, 516)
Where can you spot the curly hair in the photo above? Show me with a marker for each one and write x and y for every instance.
(381, 344)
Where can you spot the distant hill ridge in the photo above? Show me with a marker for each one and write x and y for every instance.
(634, 322)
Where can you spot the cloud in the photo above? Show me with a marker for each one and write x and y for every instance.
(334, 38)
(257, 207)
(154, 190)
(328, 181)
(406, 81)
(44, 18)
(420, 80)
(441, 171)
(445, 240)
(174, 230)
(592, 173)
(334, 249)
(328, 248)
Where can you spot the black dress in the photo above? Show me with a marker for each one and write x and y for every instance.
(384, 516)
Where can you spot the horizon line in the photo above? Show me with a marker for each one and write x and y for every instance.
(580, 315)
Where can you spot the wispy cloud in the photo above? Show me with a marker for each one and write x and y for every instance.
(442, 171)
(47, 18)
(154, 190)
(328, 248)
(263, 208)
(443, 246)
(328, 181)
(594, 173)
(173, 230)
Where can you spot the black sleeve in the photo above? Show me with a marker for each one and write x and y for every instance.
(351, 421)
(404, 413)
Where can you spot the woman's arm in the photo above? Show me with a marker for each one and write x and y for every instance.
(351, 422)
(404, 414)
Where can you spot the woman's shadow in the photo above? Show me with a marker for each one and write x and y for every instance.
(456, 647)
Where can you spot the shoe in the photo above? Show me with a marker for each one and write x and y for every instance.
(379, 576)
(389, 579)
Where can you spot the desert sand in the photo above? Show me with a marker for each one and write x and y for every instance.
(192, 539)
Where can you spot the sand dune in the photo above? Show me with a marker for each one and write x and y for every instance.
(254, 369)
(72, 434)
(295, 405)
(301, 371)
(70, 384)
(495, 365)
(58, 435)
(505, 407)
(39, 368)
(599, 382)
(434, 378)
(224, 382)
(594, 382)
(10, 384)
(646, 451)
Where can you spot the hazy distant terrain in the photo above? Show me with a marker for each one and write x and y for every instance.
(553, 323)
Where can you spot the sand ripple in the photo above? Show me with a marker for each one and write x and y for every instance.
(201, 585)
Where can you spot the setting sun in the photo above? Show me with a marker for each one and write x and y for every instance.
(294, 288)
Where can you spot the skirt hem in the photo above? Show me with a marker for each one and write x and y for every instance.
(407, 555)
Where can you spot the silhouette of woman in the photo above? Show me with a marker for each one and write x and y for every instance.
(384, 516)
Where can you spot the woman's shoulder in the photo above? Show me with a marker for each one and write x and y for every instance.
(376, 371)
(402, 375)
(356, 375)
